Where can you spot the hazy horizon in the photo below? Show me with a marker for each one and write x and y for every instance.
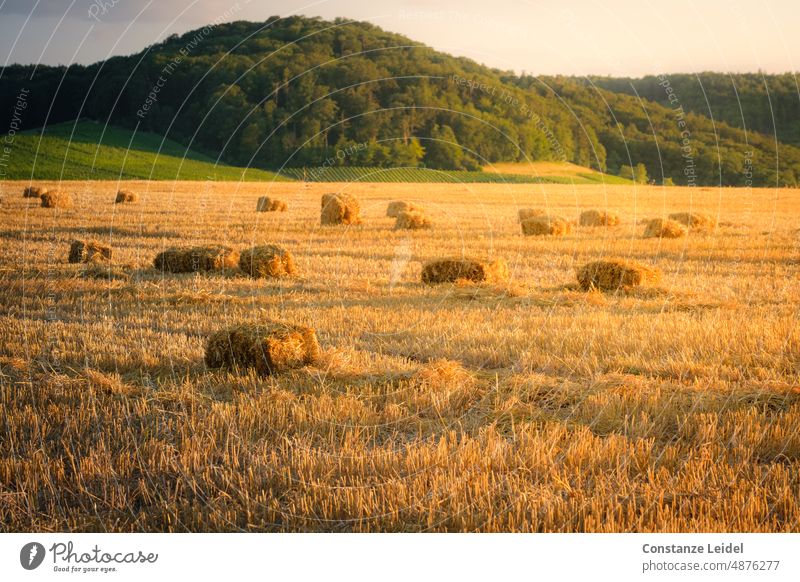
(616, 38)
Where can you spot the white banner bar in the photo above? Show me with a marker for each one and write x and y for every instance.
(368, 558)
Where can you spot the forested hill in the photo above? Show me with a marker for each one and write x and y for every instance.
(768, 104)
(303, 92)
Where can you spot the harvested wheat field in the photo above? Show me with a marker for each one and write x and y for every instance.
(527, 406)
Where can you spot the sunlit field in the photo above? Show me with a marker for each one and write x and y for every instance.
(524, 406)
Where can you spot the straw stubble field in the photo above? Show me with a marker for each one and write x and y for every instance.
(530, 405)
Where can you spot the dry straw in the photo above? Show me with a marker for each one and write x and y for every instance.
(397, 206)
(267, 204)
(340, 209)
(126, 196)
(34, 192)
(56, 199)
(598, 218)
(694, 219)
(664, 228)
(412, 220)
(193, 259)
(453, 269)
(267, 261)
(528, 213)
(88, 251)
(545, 225)
(270, 347)
(613, 274)
(97, 270)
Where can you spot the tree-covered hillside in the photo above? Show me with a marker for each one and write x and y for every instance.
(768, 104)
(672, 142)
(303, 92)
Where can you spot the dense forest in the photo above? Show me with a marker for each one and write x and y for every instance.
(304, 92)
(768, 104)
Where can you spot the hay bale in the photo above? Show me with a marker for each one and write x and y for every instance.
(693, 219)
(270, 347)
(398, 206)
(88, 251)
(195, 259)
(126, 196)
(452, 269)
(528, 213)
(412, 220)
(545, 225)
(267, 204)
(267, 261)
(340, 209)
(664, 228)
(613, 274)
(33, 192)
(598, 218)
(56, 199)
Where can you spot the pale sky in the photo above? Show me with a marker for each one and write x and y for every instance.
(545, 37)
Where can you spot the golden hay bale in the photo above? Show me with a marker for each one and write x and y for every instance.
(34, 192)
(598, 218)
(267, 204)
(412, 220)
(527, 213)
(56, 199)
(340, 209)
(613, 274)
(269, 347)
(267, 261)
(452, 269)
(545, 225)
(126, 196)
(86, 251)
(693, 219)
(664, 228)
(398, 206)
(194, 259)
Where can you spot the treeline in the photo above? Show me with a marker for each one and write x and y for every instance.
(302, 92)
